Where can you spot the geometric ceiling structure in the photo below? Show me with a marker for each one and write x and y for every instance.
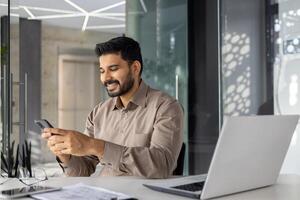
(101, 15)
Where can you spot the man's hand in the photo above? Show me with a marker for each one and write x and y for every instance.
(72, 142)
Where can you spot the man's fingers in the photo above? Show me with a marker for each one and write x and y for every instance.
(46, 135)
(66, 141)
(56, 131)
(66, 151)
(57, 153)
(57, 139)
(58, 147)
(52, 143)
(61, 146)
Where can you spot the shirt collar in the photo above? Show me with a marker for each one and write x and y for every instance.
(117, 103)
(139, 98)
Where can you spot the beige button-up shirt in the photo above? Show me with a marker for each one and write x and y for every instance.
(142, 139)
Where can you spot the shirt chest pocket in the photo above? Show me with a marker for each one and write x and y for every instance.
(139, 140)
(140, 135)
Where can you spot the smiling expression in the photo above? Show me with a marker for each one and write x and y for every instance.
(116, 74)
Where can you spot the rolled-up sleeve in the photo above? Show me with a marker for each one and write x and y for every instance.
(80, 165)
(159, 159)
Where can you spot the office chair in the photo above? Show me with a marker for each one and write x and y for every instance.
(180, 162)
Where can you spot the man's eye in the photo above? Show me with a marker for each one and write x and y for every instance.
(113, 68)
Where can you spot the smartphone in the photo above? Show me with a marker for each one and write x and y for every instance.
(25, 191)
(43, 123)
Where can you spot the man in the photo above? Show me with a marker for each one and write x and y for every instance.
(136, 132)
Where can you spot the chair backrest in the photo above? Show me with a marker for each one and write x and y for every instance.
(180, 162)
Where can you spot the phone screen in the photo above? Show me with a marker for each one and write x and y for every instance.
(43, 123)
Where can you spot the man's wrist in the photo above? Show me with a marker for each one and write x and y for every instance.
(63, 158)
(63, 164)
(97, 147)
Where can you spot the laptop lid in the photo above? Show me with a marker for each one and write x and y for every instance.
(249, 153)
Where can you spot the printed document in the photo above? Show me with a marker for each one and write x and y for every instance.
(81, 191)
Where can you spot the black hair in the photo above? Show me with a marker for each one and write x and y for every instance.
(128, 48)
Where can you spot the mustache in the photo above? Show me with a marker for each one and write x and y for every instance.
(110, 82)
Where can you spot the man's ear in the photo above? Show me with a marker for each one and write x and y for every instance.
(136, 65)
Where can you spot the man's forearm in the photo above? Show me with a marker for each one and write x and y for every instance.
(149, 162)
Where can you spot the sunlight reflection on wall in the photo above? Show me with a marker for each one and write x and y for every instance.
(236, 74)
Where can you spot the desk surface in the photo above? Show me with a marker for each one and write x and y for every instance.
(287, 187)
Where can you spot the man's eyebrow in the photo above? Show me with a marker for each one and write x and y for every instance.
(113, 65)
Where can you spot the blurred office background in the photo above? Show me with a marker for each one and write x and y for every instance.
(219, 58)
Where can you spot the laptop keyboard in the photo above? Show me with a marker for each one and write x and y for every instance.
(198, 186)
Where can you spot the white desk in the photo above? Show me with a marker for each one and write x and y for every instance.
(287, 187)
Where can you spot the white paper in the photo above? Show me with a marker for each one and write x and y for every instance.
(3, 180)
(81, 191)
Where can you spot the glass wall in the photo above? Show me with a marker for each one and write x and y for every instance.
(51, 63)
(260, 62)
(284, 45)
(161, 28)
(242, 57)
(5, 71)
(9, 77)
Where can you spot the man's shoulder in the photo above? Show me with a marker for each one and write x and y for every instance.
(163, 102)
(158, 96)
(106, 104)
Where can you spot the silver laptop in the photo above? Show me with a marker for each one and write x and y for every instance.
(249, 155)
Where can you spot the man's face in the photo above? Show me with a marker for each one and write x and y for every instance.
(115, 74)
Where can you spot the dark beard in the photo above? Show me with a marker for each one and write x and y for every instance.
(128, 84)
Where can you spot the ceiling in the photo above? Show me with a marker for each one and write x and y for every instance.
(99, 15)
